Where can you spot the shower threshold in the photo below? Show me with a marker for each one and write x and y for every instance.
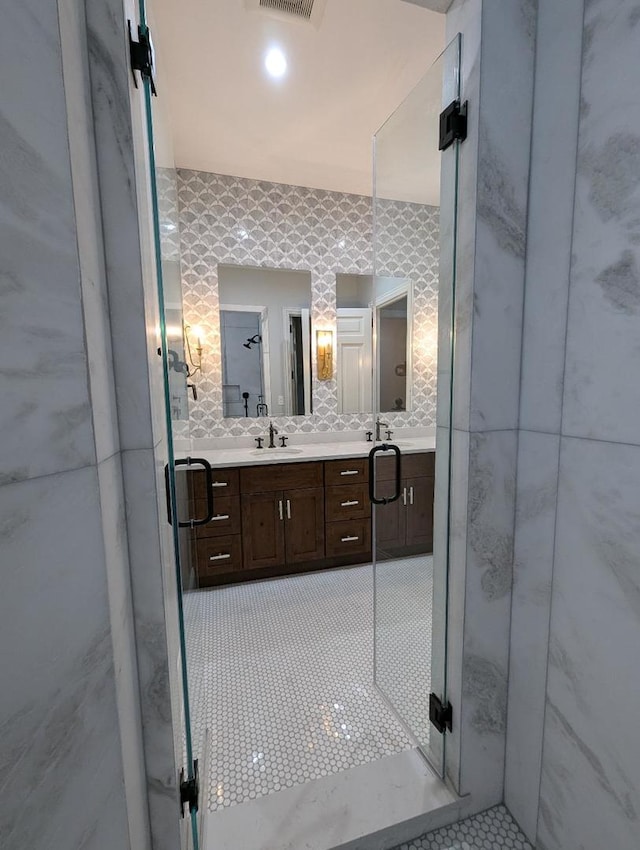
(378, 805)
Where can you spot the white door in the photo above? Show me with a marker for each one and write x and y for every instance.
(355, 381)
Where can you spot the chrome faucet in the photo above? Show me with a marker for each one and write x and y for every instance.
(380, 425)
(272, 432)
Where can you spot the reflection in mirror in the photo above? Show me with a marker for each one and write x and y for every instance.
(364, 303)
(178, 371)
(392, 309)
(265, 341)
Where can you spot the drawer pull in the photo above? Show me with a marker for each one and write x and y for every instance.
(219, 483)
(219, 517)
(350, 539)
(350, 472)
(220, 557)
(349, 504)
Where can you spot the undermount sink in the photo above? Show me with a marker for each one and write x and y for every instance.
(265, 453)
(401, 444)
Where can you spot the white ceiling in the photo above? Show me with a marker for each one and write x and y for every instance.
(312, 128)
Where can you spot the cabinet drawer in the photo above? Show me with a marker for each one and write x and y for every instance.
(419, 465)
(225, 483)
(226, 520)
(351, 501)
(348, 471)
(219, 555)
(350, 536)
(281, 476)
(411, 466)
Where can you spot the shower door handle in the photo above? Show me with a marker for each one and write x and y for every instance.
(191, 461)
(385, 500)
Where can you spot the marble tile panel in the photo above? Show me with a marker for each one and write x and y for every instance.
(590, 787)
(601, 399)
(489, 573)
(114, 532)
(149, 585)
(59, 736)
(113, 116)
(88, 223)
(551, 195)
(45, 430)
(372, 806)
(530, 612)
(506, 76)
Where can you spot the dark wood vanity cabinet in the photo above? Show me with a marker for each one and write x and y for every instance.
(283, 527)
(282, 518)
(405, 527)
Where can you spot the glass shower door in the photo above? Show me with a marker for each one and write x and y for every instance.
(410, 547)
(178, 368)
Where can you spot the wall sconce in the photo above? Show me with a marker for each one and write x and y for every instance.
(194, 364)
(324, 353)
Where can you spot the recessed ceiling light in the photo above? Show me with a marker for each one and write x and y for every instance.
(275, 62)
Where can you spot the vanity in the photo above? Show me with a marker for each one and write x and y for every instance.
(306, 513)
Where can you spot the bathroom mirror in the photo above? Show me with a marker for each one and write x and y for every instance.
(366, 304)
(265, 341)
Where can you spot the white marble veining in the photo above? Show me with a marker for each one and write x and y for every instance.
(553, 167)
(489, 561)
(59, 731)
(506, 75)
(494, 168)
(45, 415)
(600, 399)
(370, 807)
(530, 612)
(553, 163)
(590, 792)
(121, 153)
(580, 391)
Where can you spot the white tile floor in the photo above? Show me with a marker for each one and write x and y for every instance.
(494, 829)
(281, 673)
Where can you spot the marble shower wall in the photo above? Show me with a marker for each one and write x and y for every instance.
(498, 67)
(232, 220)
(580, 479)
(123, 168)
(70, 741)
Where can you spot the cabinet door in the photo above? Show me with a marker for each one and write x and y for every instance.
(304, 522)
(263, 530)
(419, 513)
(390, 522)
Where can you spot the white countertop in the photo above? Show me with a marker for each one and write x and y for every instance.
(302, 452)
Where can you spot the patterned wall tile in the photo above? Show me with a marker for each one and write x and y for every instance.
(235, 221)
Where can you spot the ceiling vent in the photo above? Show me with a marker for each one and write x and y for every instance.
(298, 8)
(305, 11)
